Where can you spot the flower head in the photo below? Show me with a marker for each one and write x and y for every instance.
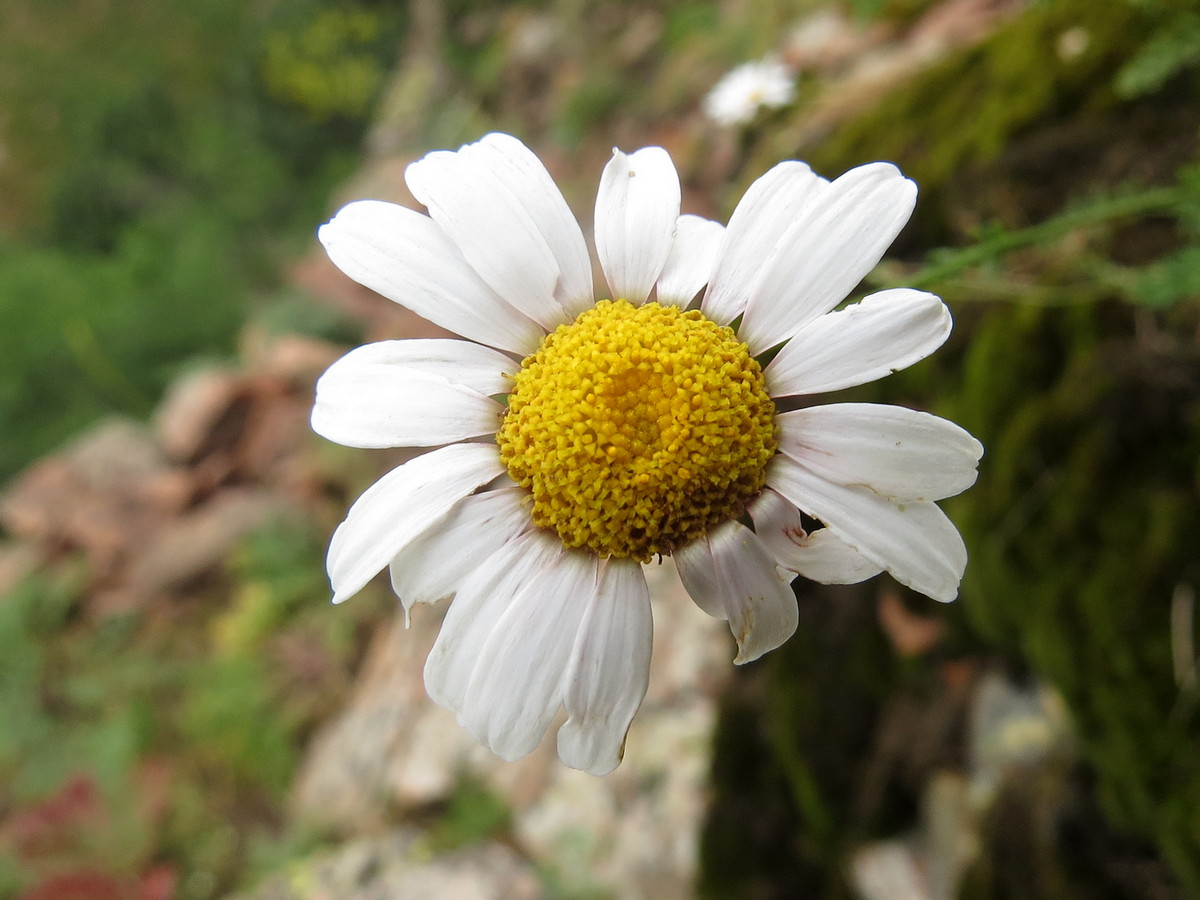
(577, 439)
(744, 90)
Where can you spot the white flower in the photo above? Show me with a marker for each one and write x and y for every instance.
(578, 439)
(744, 90)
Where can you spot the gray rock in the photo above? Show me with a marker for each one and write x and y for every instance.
(189, 420)
(633, 833)
(402, 865)
(188, 547)
(102, 494)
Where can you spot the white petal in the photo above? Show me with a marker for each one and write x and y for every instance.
(520, 168)
(374, 397)
(883, 333)
(690, 263)
(637, 206)
(758, 599)
(484, 595)
(479, 368)
(406, 257)
(499, 205)
(610, 669)
(768, 208)
(819, 555)
(698, 573)
(400, 506)
(899, 453)
(836, 241)
(431, 567)
(520, 678)
(826, 558)
(758, 602)
(914, 541)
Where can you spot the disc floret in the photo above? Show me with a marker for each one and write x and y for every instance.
(637, 429)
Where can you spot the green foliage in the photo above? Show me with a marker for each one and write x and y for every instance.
(867, 9)
(275, 581)
(989, 95)
(991, 245)
(230, 721)
(80, 340)
(209, 702)
(1082, 271)
(787, 769)
(890, 10)
(37, 609)
(1080, 531)
(595, 100)
(684, 21)
(240, 715)
(1170, 280)
(334, 65)
(1174, 46)
(70, 742)
(156, 198)
(474, 814)
(292, 311)
(1084, 521)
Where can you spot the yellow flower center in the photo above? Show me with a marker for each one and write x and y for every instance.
(637, 429)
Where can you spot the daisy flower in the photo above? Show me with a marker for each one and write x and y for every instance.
(578, 439)
(744, 90)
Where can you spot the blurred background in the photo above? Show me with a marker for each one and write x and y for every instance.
(183, 716)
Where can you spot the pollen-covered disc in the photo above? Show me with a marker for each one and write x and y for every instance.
(638, 428)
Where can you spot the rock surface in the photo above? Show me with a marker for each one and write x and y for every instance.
(401, 865)
(632, 834)
(152, 509)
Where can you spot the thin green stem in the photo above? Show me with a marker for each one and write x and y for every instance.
(1095, 213)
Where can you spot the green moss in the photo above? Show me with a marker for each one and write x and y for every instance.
(1084, 521)
(1085, 389)
(965, 111)
(792, 748)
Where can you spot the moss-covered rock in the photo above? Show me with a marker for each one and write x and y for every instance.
(1084, 526)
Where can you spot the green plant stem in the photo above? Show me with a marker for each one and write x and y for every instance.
(801, 779)
(1096, 213)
